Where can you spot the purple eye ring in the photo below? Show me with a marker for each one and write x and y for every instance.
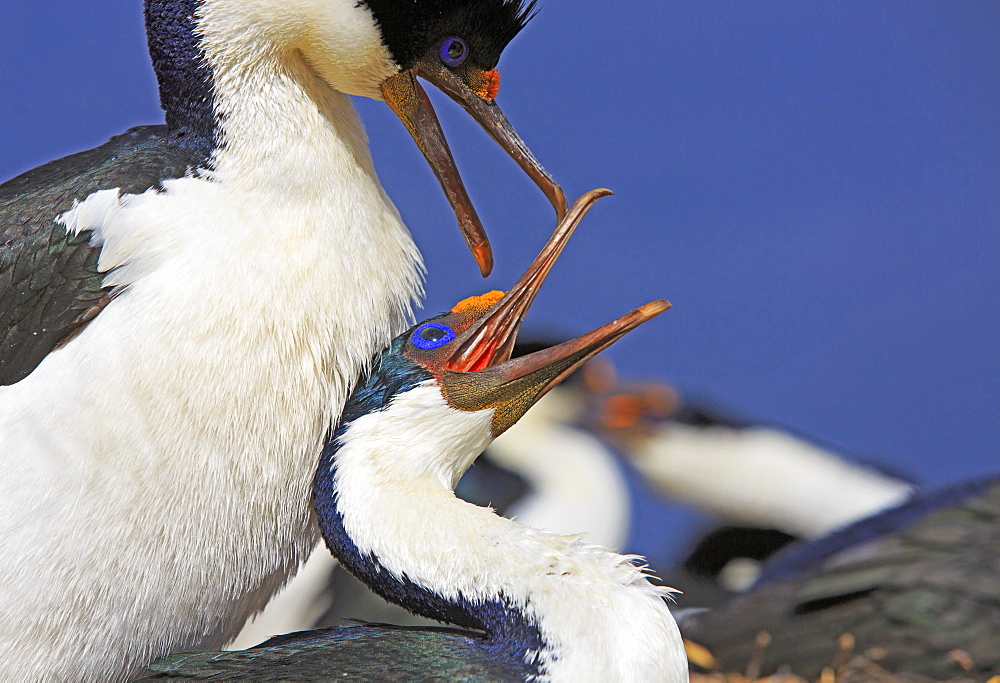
(453, 51)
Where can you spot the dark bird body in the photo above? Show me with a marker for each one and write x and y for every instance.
(914, 588)
(50, 278)
(366, 652)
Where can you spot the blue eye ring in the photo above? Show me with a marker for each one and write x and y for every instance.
(437, 335)
(453, 51)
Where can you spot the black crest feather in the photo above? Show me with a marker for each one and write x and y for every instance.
(412, 27)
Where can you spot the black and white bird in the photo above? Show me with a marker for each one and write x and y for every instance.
(183, 311)
(766, 485)
(543, 606)
(909, 594)
(738, 471)
(544, 472)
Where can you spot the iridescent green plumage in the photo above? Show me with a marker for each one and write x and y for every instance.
(348, 653)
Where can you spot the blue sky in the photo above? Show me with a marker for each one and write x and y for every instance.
(814, 185)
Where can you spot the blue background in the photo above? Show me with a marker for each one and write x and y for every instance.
(814, 185)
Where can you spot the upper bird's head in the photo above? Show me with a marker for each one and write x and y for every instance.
(456, 44)
(466, 352)
(371, 48)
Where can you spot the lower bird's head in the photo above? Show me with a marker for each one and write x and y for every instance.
(466, 352)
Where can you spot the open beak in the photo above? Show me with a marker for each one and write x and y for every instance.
(491, 338)
(480, 374)
(408, 100)
(513, 386)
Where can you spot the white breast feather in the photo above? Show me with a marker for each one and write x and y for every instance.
(155, 483)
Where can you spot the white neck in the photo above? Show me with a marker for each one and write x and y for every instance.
(576, 484)
(598, 616)
(278, 117)
(764, 477)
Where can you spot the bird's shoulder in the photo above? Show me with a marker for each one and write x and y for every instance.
(50, 284)
(134, 161)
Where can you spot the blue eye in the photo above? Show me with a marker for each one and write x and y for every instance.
(431, 335)
(453, 51)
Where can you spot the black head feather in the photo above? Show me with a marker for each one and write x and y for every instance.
(410, 28)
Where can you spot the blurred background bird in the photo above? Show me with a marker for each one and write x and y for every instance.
(909, 594)
(762, 486)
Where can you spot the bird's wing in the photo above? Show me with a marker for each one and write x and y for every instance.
(369, 652)
(50, 284)
(924, 600)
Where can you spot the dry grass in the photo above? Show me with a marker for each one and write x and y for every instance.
(848, 667)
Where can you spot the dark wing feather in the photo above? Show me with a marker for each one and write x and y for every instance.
(369, 652)
(50, 286)
(921, 601)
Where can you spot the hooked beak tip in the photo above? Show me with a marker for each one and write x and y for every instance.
(483, 254)
(655, 307)
(559, 202)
